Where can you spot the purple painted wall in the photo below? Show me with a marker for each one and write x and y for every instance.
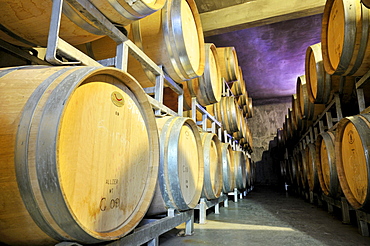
(272, 56)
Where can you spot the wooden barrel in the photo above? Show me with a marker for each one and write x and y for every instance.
(318, 81)
(69, 164)
(320, 85)
(228, 113)
(298, 117)
(288, 125)
(366, 3)
(352, 143)
(228, 175)
(243, 103)
(309, 110)
(344, 37)
(240, 170)
(181, 165)
(27, 23)
(312, 177)
(208, 87)
(229, 64)
(326, 168)
(238, 87)
(242, 133)
(302, 169)
(172, 37)
(212, 185)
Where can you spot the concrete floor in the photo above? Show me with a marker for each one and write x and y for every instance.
(265, 217)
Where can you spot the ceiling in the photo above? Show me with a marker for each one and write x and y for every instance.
(270, 38)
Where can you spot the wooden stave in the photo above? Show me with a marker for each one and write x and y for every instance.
(69, 78)
(331, 188)
(361, 123)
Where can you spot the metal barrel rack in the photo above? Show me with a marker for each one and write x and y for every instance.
(59, 52)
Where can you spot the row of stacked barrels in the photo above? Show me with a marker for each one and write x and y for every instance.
(337, 162)
(83, 157)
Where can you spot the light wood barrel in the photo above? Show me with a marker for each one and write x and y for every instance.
(238, 87)
(366, 3)
(172, 37)
(27, 23)
(69, 164)
(308, 109)
(181, 167)
(326, 168)
(352, 141)
(240, 170)
(344, 37)
(318, 81)
(320, 85)
(229, 64)
(242, 133)
(208, 87)
(312, 177)
(228, 112)
(228, 175)
(243, 104)
(212, 185)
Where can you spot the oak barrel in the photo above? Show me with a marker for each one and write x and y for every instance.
(27, 23)
(69, 164)
(228, 113)
(344, 38)
(312, 177)
(228, 176)
(172, 37)
(302, 169)
(326, 168)
(181, 166)
(240, 170)
(238, 87)
(308, 109)
(352, 141)
(229, 64)
(208, 87)
(212, 185)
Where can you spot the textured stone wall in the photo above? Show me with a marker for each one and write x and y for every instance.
(268, 116)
